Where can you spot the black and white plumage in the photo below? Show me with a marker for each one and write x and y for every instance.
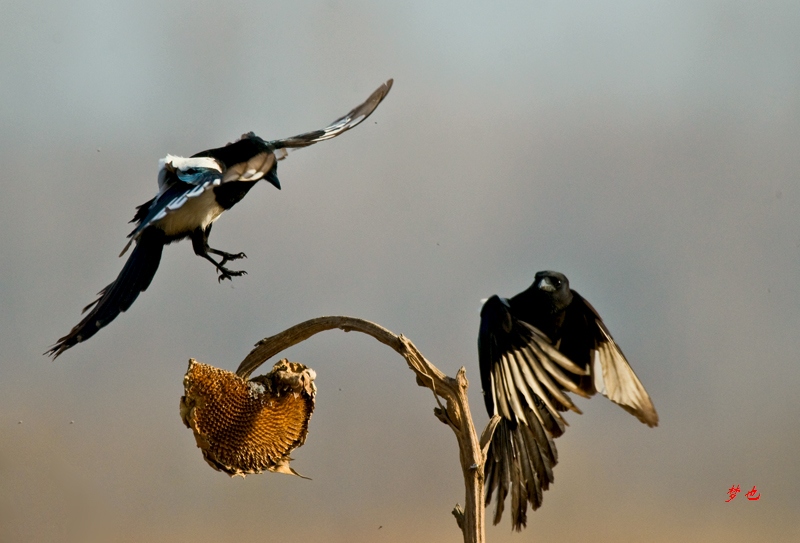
(532, 349)
(192, 194)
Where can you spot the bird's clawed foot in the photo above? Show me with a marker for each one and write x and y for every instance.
(225, 273)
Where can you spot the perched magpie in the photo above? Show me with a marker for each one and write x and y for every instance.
(533, 348)
(192, 193)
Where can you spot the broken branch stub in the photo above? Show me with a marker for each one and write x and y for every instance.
(248, 426)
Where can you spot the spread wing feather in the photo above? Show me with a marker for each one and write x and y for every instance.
(612, 374)
(619, 383)
(353, 118)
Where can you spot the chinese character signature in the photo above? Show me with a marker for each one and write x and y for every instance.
(753, 495)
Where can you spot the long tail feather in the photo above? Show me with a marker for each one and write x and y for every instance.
(134, 278)
(519, 460)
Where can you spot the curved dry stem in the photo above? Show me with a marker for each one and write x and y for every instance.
(271, 346)
(455, 413)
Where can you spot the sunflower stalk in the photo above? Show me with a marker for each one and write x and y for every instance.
(454, 411)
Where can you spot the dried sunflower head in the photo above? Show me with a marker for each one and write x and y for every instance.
(243, 426)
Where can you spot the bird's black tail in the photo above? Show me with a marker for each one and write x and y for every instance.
(134, 278)
(520, 458)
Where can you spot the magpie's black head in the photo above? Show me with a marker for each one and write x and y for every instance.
(553, 286)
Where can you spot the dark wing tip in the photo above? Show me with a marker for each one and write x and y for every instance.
(62, 345)
(650, 417)
(359, 113)
(385, 88)
(373, 101)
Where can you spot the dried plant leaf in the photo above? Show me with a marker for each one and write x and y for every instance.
(245, 427)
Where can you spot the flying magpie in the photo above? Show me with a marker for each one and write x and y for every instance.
(192, 194)
(532, 348)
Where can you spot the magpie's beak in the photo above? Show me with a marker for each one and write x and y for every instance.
(545, 284)
(272, 177)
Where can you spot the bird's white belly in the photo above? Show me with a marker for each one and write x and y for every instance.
(196, 212)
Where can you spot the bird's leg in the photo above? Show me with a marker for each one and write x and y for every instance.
(225, 256)
(201, 248)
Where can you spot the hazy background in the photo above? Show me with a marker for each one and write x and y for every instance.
(648, 152)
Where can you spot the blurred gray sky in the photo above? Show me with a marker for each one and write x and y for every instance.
(647, 150)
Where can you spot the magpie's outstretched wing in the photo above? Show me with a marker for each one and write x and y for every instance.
(357, 115)
(611, 373)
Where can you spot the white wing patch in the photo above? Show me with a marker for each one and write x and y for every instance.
(170, 163)
(252, 170)
(333, 130)
(197, 191)
(597, 374)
